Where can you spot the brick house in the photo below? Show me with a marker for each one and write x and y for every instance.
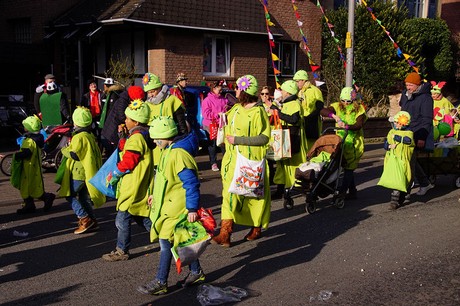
(205, 40)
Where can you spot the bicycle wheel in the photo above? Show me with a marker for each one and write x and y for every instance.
(5, 164)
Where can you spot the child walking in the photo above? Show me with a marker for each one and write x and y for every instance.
(134, 177)
(83, 160)
(31, 173)
(177, 192)
(401, 143)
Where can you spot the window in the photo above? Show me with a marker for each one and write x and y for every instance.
(420, 8)
(216, 55)
(22, 30)
(286, 52)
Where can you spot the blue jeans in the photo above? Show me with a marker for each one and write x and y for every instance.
(165, 262)
(80, 200)
(123, 223)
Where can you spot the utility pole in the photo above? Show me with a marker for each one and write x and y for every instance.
(349, 43)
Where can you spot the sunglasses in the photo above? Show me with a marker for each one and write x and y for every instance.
(264, 93)
(347, 101)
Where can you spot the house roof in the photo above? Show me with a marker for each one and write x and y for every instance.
(245, 16)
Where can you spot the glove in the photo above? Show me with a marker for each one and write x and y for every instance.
(397, 138)
(40, 89)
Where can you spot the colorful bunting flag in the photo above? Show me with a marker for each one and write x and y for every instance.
(399, 53)
(271, 42)
(304, 43)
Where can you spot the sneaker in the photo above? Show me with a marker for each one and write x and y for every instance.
(424, 190)
(48, 199)
(214, 167)
(153, 287)
(116, 255)
(193, 279)
(84, 224)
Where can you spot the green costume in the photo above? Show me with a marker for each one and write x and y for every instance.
(169, 194)
(402, 151)
(285, 169)
(245, 122)
(308, 96)
(50, 107)
(166, 108)
(31, 174)
(136, 186)
(353, 147)
(444, 107)
(84, 145)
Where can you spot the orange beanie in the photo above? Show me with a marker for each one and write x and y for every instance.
(413, 78)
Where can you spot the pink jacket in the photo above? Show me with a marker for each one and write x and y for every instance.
(211, 107)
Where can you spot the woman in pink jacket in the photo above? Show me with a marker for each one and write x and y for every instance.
(213, 105)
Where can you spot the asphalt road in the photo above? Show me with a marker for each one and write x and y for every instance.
(363, 254)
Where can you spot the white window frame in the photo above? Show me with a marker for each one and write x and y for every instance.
(213, 71)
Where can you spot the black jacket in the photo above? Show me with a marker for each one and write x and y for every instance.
(115, 117)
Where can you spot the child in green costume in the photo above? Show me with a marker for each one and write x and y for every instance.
(31, 172)
(401, 142)
(133, 177)
(83, 161)
(177, 192)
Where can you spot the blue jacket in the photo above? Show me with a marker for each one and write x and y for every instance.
(420, 108)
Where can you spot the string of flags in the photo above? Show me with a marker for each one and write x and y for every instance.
(336, 40)
(271, 43)
(395, 45)
(304, 43)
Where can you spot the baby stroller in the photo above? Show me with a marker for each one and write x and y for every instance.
(318, 180)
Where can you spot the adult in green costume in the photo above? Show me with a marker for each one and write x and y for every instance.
(312, 102)
(291, 115)
(83, 161)
(133, 177)
(176, 194)
(31, 177)
(349, 115)
(248, 132)
(161, 103)
(50, 102)
(400, 142)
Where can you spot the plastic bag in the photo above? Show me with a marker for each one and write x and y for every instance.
(99, 180)
(393, 176)
(61, 171)
(213, 128)
(190, 241)
(212, 295)
(207, 220)
(220, 138)
(248, 178)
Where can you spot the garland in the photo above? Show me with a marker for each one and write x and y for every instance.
(271, 43)
(304, 43)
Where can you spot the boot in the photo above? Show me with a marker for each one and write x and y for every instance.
(28, 207)
(84, 224)
(48, 198)
(225, 233)
(253, 234)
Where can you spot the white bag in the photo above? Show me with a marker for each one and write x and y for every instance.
(248, 178)
(220, 140)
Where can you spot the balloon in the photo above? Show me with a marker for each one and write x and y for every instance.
(444, 128)
(435, 133)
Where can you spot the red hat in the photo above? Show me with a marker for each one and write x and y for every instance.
(136, 93)
(413, 78)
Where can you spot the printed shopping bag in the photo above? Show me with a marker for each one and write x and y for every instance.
(393, 176)
(213, 127)
(220, 138)
(248, 178)
(280, 141)
(16, 169)
(190, 241)
(99, 180)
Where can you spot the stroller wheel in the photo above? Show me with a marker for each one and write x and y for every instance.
(288, 203)
(339, 202)
(310, 207)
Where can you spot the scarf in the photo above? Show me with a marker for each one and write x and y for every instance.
(94, 106)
